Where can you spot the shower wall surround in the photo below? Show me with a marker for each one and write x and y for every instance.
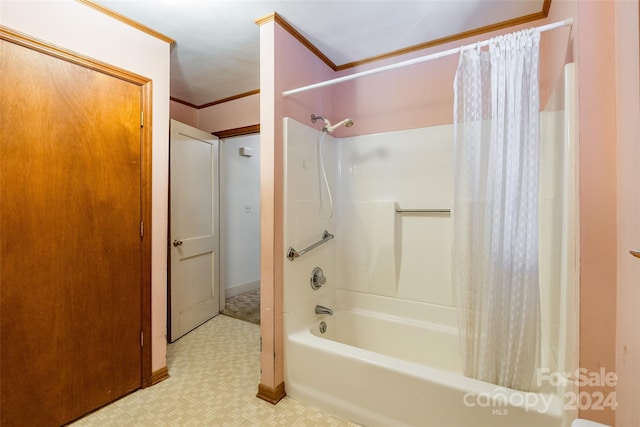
(304, 221)
(400, 255)
(381, 252)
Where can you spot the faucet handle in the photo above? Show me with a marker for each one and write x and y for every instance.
(317, 278)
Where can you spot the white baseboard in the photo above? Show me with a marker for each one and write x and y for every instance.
(241, 289)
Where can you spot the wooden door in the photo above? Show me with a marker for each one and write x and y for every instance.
(70, 241)
(195, 284)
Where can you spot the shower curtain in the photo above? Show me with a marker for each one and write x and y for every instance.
(495, 251)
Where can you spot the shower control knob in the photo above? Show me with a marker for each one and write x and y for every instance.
(317, 278)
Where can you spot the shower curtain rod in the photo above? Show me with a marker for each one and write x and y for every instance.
(553, 26)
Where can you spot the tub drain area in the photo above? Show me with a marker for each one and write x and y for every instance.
(323, 327)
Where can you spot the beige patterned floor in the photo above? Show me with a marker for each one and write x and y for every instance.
(214, 379)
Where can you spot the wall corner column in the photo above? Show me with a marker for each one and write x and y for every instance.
(271, 387)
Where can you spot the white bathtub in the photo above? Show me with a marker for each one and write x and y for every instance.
(385, 369)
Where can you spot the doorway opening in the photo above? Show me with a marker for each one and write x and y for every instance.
(240, 226)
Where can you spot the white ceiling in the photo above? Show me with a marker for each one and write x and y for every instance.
(216, 54)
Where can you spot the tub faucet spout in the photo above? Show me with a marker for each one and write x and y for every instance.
(320, 309)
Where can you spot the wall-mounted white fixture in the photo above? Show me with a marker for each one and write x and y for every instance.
(246, 152)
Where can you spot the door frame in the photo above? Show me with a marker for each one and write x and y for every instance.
(145, 84)
(223, 135)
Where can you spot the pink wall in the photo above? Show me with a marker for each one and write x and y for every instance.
(284, 64)
(593, 47)
(183, 113)
(270, 212)
(422, 95)
(595, 54)
(234, 114)
(628, 298)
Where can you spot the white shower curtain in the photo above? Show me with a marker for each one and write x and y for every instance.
(495, 258)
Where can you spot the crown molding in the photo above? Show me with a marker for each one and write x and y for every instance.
(219, 101)
(459, 36)
(245, 130)
(127, 21)
(275, 17)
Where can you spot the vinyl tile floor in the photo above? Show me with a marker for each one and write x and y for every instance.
(214, 373)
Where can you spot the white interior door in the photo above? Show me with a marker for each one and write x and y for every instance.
(194, 229)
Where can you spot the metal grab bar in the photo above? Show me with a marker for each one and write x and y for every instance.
(293, 254)
(423, 210)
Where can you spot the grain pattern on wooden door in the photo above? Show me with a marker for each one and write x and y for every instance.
(70, 254)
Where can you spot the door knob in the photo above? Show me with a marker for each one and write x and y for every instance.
(635, 253)
(177, 243)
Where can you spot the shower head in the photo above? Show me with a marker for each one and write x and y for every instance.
(314, 118)
(328, 127)
(346, 122)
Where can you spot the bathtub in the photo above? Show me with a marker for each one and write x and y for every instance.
(396, 367)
